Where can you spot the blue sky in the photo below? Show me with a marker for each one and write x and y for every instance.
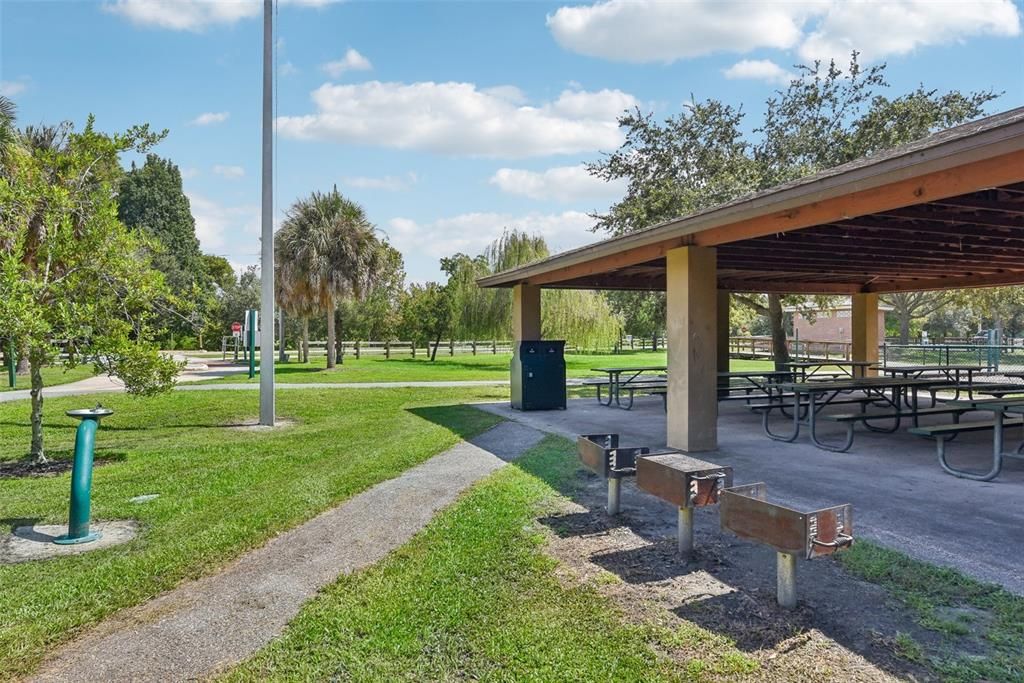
(449, 121)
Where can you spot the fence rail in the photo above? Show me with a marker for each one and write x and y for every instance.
(993, 358)
(764, 348)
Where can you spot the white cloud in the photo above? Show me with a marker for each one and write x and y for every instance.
(209, 118)
(193, 15)
(229, 172)
(189, 173)
(287, 69)
(758, 70)
(470, 233)
(655, 31)
(220, 228)
(389, 182)
(12, 88)
(352, 61)
(881, 29)
(460, 119)
(562, 183)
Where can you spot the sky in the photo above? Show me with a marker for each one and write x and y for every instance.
(452, 121)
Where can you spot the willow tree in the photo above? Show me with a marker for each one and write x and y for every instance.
(709, 154)
(583, 318)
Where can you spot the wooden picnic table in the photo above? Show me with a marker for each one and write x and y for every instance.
(820, 394)
(615, 382)
(853, 368)
(999, 409)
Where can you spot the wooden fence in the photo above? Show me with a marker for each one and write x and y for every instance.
(763, 347)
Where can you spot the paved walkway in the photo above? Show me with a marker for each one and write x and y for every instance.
(208, 625)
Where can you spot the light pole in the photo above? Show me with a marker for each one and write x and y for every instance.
(267, 227)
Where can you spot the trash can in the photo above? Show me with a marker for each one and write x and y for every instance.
(538, 375)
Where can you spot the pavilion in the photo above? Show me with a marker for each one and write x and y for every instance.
(944, 212)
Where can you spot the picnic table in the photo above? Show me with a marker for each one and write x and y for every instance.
(810, 398)
(809, 368)
(764, 381)
(633, 375)
(950, 372)
(1000, 409)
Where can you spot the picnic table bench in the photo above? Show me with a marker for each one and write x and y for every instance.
(1000, 408)
(810, 398)
(637, 378)
(850, 368)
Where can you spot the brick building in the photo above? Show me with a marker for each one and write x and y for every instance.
(832, 324)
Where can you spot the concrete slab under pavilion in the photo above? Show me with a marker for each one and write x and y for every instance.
(944, 212)
(901, 497)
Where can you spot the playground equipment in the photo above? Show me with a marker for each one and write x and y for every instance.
(746, 512)
(81, 475)
(684, 482)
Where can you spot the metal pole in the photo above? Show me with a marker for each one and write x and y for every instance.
(12, 365)
(280, 322)
(685, 531)
(267, 228)
(251, 343)
(786, 580)
(614, 489)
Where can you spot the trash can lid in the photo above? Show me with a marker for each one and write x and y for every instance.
(98, 411)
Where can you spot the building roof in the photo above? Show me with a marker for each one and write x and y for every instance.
(944, 211)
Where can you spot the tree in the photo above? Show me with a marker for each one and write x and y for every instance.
(993, 306)
(376, 315)
(69, 270)
(911, 306)
(328, 247)
(703, 157)
(219, 270)
(426, 314)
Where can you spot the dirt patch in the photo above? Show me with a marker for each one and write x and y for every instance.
(253, 425)
(843, 628)
(17, 469)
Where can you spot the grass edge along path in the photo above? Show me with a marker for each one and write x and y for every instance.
(953, 604)
(222, 491)
(53, 376)
(473, 596)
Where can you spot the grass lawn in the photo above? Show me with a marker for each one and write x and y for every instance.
(988, 617)
(447, 368)
(473, 597)
(222, 490)
(52, 376)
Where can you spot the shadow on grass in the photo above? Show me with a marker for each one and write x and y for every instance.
(57, 463)
(462, 420)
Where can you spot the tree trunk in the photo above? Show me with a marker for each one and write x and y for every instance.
(36, 372)
(280, 326)
(305, 339)
(904, 325)
(331, 350)
(437, 342)
(778, 328)
(23, 365)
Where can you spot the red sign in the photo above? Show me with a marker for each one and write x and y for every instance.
(236, 327)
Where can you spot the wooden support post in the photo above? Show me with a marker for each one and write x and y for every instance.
(723, 331)
(692, 311)
(525, 313)
(865, 329)
(357, 349)
(387, 350)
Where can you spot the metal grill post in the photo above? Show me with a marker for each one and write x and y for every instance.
(786, 579)
(684, 532)
(614, 489)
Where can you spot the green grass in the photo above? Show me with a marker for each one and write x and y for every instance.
(447, 368)
(222, 491)
(971, 616)
(52, 376)
(473, 597)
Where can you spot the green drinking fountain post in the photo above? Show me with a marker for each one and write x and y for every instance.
(251, 342)
(81, 475)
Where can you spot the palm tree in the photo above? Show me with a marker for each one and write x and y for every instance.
(328, 251)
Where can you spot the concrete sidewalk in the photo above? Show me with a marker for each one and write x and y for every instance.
(206, 626)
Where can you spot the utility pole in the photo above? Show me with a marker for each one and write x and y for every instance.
(267, 227)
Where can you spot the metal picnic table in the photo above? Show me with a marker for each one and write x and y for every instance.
(853, 368)
(950, 372)
(874, 389)
(765, 381)
(999, 408)
(615, 382)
